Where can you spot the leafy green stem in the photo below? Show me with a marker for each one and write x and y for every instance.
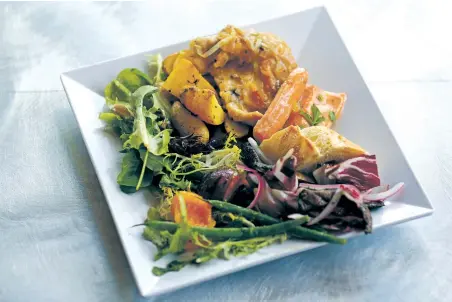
(143, 169)
(221, 250)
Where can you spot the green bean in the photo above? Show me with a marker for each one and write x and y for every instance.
(299, 231)
(232, 233)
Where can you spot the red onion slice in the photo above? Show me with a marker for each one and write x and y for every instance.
(259, 152)
(328, 209)
(260, 185)
(384, 195)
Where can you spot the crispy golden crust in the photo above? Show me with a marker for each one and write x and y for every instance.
(325, 101)
(331, 145)
(282, 141)
(312, 146)
(248, 67)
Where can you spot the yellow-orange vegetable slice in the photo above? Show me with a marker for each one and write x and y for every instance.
(169, 61)
(204, 104)
(279, 110)
(184, 74)
(199, 212)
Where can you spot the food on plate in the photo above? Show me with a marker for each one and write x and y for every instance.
(238, 129)
(204, 104)
(279, 110)
(188, 124)
(248, 67)
(183, 76)
(311, 146)
(237, 142)
(199, 212)
(317, 107)
(291, 138)
(331, 145)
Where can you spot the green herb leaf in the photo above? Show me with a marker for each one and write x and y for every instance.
(232, 220)
(307, 117)
(332, 116)
(140, 116)
(153, 214)
(316, 117)
(155, 66)
(320, 97)
(161, 239)
(162, 103)
(117, 98)
(182, 166)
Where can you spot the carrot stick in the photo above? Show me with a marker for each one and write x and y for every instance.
(279, 110)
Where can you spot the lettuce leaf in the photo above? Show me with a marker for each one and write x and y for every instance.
(109, 117)
(168, 182)
(133, 79)
(182, 166)
(161, 102)
(156, 144)
(116, 91)
(117, 98)
(155, 65)
(153, 162)
(222, 250)
(130, 172)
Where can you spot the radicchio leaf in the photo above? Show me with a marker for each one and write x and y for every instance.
(362, 172)
(221, 184)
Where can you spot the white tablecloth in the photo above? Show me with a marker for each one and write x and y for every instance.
(57, 239)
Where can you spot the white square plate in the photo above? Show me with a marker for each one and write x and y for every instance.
(317, 47)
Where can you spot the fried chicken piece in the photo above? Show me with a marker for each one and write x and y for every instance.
(248, 68)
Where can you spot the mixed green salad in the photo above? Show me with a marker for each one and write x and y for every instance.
(223, 197)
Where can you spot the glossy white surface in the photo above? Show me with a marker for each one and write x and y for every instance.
(58, 238)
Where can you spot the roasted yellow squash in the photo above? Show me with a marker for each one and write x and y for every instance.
(169, 61)
(187, 124)
(204, 104)
(239, 129)
(183, 75)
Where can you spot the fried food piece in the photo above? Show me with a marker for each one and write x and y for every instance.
(330, 105)
(248, 67)
(312, 146)
(277, 114)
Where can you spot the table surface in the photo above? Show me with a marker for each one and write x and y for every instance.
(58, 240)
